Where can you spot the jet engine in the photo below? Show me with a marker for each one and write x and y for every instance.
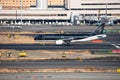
(110, 23)
(59, 42)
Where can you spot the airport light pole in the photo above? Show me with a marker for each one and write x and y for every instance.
(70, 5)
(16, 16)
(21, 11)
(106, 9)
(98, 14)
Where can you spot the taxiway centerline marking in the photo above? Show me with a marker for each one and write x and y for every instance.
(116, 46)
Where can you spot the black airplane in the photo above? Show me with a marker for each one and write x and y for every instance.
(70, 38)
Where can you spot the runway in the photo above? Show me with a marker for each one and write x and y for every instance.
(111, 42)
(46, 64)
(57, 47)
(59, 76)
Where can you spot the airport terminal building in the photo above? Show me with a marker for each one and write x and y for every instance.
(66, 11)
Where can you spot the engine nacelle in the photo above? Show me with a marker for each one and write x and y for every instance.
(110, 23)
(59, 42)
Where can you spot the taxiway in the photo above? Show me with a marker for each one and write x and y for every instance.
(46, 64)
(59, 76)
(88, 46)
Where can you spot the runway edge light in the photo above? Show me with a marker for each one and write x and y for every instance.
(118, 70)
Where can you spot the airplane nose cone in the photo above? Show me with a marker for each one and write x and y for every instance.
(35, 38)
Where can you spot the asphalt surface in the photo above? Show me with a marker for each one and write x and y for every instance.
(59, 76)
(57, 47)
(53, 28)
(48, 28)
(113, 40)
(43, 64)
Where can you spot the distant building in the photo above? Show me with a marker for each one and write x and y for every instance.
(55, 2)
(15, 4)
(89, 6)
(55, 11)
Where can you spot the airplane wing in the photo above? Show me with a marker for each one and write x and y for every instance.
(108, 21)
(100, 36)
(91, 22)
(115, 21)
(67, 41)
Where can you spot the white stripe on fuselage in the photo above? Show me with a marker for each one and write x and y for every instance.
(91, 38)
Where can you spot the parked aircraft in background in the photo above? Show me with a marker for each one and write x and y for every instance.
(103, 19)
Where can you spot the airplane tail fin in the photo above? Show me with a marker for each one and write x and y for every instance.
(99, 29)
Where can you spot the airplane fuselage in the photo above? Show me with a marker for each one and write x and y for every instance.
(78, 37)
(61, 36)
